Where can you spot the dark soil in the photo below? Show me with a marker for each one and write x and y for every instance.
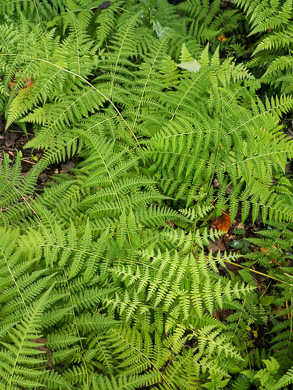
(12, 141)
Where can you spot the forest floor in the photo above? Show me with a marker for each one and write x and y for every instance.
(14, 139)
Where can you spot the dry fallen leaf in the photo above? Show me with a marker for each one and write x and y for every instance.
(223, 222)
(43, 348)
(269, 251)
(28, 83)
(169, 223)
(217, 314)
(217, 245)
(221, 38)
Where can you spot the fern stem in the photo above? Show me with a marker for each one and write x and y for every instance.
(257, 272)
(14, 281)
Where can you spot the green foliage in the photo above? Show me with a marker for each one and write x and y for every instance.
(106, 280)
(270, 22)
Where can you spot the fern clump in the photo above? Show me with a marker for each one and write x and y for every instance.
(270, 23)
(107, 280)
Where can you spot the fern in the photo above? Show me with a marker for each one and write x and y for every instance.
(106, 279)
(284, 381)
(271, 22)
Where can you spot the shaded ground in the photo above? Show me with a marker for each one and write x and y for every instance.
(14, 139)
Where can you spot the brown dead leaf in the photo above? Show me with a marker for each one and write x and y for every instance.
(216, 183)
(269, 251)
(43, 348)
(10, 139)
(223, 222)
(43, 177)
(217, 315)
(169, 223)
(221, 38)
(28, 83)
(277, 310)
(217, 245)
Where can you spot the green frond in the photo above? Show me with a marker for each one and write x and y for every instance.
(126, 382)
(112, 276)
(286, 380)
(22, 352)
